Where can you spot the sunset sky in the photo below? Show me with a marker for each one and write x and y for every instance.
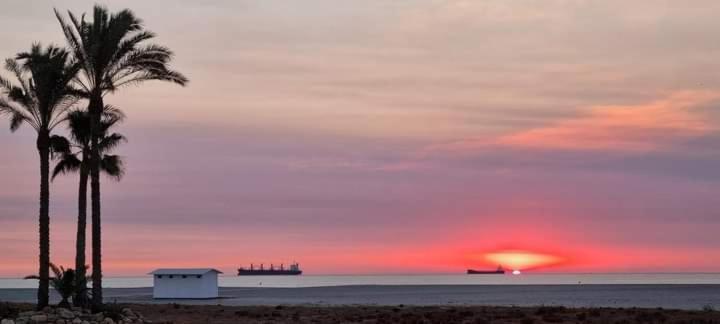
(398, 136)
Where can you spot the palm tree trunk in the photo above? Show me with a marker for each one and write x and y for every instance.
(80, 298)
(43, 146)
(96, 105)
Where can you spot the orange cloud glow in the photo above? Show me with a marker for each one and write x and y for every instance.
(641, 127)
(622, 127)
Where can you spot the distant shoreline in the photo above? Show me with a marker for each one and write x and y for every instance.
(533, 273)
(692, 297)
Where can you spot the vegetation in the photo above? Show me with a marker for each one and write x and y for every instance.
(8, 310)
(64, 282)
(111, 52)
(76, 158)
(103, 55)
(40, 98)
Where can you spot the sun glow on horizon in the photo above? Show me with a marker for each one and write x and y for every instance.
(518, 260)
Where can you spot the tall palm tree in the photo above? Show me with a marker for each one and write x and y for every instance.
(40, 98)
(112, 51)
(76, 158)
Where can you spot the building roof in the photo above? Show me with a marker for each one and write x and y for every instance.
(184, 271)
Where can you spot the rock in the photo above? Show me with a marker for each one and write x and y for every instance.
(60, 321)
(7, 321)
(77, 321)
(65, 314)
(108, 320)
(27, 314)
(39, 318)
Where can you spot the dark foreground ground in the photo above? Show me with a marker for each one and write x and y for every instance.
(198, 314)
(425, 314)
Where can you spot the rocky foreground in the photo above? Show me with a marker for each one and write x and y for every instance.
(208, 314)
(51, 315)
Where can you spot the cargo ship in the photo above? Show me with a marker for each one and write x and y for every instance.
(293, 270)
(499, 270)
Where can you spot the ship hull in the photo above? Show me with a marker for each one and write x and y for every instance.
(471, 271)
(243, 272)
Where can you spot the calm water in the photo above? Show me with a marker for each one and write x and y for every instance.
(451, 279)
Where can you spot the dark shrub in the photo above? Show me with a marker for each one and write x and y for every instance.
(549, 310)
(8, 311)
(581, 316)
(527, 320)
(113, 311)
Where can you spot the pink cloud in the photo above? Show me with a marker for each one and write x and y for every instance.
(636, 127)
(642, 127)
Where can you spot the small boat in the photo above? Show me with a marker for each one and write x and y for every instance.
(293, 270)
(499, 270)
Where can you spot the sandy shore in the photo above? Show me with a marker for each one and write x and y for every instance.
(187, 314)
(692, 297)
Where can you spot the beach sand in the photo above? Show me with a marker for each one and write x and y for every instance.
(187, 314)
(691, 297)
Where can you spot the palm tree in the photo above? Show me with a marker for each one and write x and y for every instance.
(76, 158)
(63, 282)
(112, 51)
(40, 98)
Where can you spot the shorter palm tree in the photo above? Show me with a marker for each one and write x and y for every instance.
(63, 282)
(75, 157)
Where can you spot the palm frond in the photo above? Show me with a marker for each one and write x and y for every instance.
(58, 271)
(79, 126)
(113, 114)
(6, 107)
(113, 166)
(67, 164)
(16, 120)
(5, 84)
(61, 110)
(73, 32)
(13, 66)
(59, 145)
(129, 44)
(145, 64)
(17, 116)
(110, 142)
(152, 75)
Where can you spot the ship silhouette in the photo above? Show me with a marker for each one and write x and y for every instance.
(293, 270)
(499, 270)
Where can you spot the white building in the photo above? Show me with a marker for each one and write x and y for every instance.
(185, 283)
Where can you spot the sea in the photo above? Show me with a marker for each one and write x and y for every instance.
(309, 280)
